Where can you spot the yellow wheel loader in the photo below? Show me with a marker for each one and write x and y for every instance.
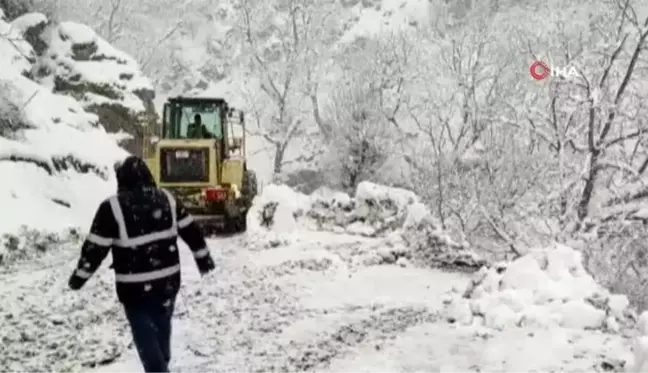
(199, 156)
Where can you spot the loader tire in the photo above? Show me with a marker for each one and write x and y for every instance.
(249, 190)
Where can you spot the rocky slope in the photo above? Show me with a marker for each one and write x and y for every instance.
(210, 53)
(61, 87)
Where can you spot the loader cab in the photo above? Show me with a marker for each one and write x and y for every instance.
(215, 155)
(222, 123)
(180, 114)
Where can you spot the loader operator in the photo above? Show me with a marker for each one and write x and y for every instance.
(197, 130)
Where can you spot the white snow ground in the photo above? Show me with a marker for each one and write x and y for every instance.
(291, 297)
(370, 319)
(261, 312)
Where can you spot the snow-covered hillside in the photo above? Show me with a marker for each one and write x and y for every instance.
(55, 156)
(372, 18)
(334, 283)
(213, 58)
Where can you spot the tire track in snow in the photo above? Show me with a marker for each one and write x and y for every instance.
(251, 330)
(374, 330)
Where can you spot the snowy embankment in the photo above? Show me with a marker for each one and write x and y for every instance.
(328, 283)
(55, 156)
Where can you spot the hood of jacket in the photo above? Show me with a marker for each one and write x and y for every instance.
(132, 174)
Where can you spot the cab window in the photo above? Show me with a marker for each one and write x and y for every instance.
(178, 119)
(210, 118)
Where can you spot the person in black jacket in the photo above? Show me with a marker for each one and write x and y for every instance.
(197, 130)
(140, 225)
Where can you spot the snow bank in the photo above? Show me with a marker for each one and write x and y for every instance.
(396, 215)
(542, 289)
(55, 158)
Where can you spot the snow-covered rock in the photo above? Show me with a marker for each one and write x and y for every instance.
(544, 289)
(55, 156)
(409, 233)
(71, 59)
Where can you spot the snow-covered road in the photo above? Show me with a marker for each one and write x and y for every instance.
(294, 308)
(306, 306)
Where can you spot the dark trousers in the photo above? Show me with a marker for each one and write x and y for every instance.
(151, 327)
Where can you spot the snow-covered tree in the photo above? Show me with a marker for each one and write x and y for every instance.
(385, 64)
(594, 122)
(14, 8)
(360, 138)
(281, 41)
(471, 168)
(594, 126)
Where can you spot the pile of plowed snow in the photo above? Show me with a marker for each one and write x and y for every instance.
(544, 289)
(408, 229)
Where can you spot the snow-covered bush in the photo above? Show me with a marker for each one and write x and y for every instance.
(12, 119)
(304, 180)
(541, 289)
(359, 134)
(616, 256)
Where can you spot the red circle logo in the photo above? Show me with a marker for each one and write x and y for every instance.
(539, 70)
